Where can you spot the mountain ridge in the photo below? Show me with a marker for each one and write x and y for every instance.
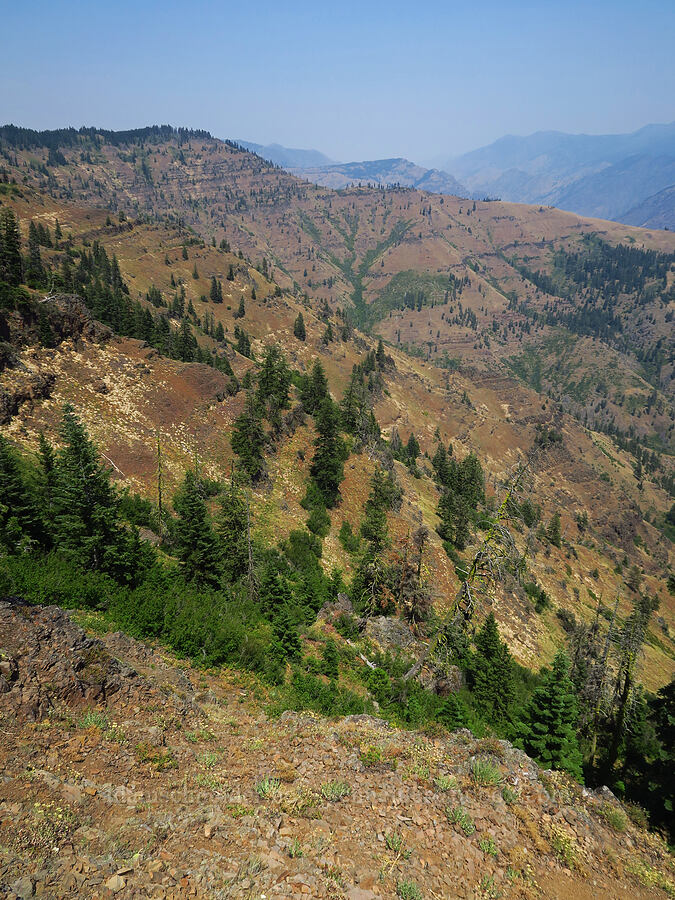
(579, 172)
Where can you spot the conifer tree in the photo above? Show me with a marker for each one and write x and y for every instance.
(299, 328)
(493, 688)
(553, 535)
(274, 593)
(314, 389)
(248, 438)
(286, 635)
(11, 266)
(196, 543)
(327, 467)
(274, 382)
(548, 728)
(380, 355)
(232, 530)
(48, 465)
(20, 521)
(453, 713)
(330, 663)
(34, 270)
(186, 343)
(85, 520)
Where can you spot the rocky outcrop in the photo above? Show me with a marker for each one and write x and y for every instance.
(142, 798)
(45, 659)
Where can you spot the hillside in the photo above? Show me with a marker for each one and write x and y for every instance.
(498, 343)
(657, 211)
(384, 172)
(131, 773)
(604, 176)
(370, 252)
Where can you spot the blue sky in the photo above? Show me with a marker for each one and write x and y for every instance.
(355, 80)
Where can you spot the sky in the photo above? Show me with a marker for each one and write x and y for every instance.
(356, 80)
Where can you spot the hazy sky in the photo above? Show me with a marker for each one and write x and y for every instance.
(357, 80)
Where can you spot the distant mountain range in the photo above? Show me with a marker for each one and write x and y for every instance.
(625, 177)
(383, 172)
(288, 157)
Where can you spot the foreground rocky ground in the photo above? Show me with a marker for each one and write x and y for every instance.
(127, 773)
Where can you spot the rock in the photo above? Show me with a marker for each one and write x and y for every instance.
(341, 607)
(441, 682)
(389, 633)
(24, 887)
(115, 883)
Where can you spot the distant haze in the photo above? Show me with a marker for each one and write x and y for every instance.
(352, 80)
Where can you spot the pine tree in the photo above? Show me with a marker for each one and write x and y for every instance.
(548, 728)
(493, 689)
(85, 519)
(241, 310)
(299, 328)
(327, 467)
(196, 543)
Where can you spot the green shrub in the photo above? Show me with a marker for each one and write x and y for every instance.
(408, 890)
(457, 815)
(335, 790)
(484, 772)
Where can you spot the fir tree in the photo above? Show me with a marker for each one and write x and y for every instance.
(248, 438)
(196, 543)
(548, 727)
(330, 662)
(553, 535)
(286, 635)
(453, 713)
(232, 530)
(48, 465)
(20, 521)
(493, 689)
(11, 266)
(314, 389)
(274, 382)
(299, 328)
(85, 520)
(328, 462)
(380, 355)
(274, 594)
